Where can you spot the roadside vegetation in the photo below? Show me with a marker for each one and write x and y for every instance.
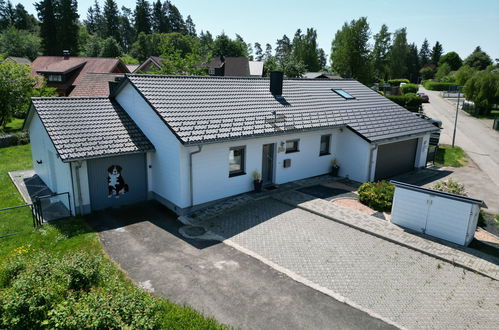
(58, 276)
(449, 156)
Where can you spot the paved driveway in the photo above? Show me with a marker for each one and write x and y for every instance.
(214, 278)
(409, 288)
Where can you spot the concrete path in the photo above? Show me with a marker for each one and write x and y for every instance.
(409, 288)
(214, 278)
(475, 136)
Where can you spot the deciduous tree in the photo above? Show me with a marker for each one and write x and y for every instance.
(382, 43)
(478, 59)
(453, 59)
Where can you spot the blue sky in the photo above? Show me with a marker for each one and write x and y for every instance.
(460, 25)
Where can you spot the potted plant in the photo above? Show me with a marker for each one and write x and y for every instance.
(334, 167)
(257, 181)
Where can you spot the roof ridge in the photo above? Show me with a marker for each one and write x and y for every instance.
(228, 77)
(64, 98)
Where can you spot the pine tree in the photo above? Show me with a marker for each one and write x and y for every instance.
(111, 20)
(398, 55)
(268, 51)
(23, 20)
(305, 49)
(67, 25)
(126, 29)
(176, 21)
(90, 22)
(48, 27)
(436, 53)
(189, 24)
(206, 41)
(413, 65)
(283, 48)
(382, 43)
(159, 19)
(258, 51)
(424, 54)
(143, 16)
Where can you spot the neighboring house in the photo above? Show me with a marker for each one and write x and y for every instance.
(152, 64)
(132, 67)
(95, 84)
(320, 75)
(65, 73)
(20, 60)
(233, 67)
(186, 141)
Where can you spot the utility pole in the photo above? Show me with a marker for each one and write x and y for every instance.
(457, 112)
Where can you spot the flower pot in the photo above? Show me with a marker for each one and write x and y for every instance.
(335, 170)
(258, 185)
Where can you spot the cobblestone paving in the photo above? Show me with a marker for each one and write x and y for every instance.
(408, 287)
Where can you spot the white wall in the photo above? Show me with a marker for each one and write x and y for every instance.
(211, 167)
(166, 176)
(353, 155)
(53, 171)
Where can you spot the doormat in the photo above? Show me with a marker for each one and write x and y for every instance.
(271, 188)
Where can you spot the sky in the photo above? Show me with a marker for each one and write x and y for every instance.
(460, 25)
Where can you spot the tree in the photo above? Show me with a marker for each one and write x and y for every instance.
(483, 89)
(48, 27)
(382, 43)
(189, 24)
(305, 49)
(436, 53)
(224, 46)
(413, 66)
(176, 21)
(478, 59)
(111, 20)
(159, 18)
(350, 51)
(322, 59)
(268, 51)
(443, 70)
(67, 26)
(464, 74)
(283, 48)
(206, 44)
(23, 20)
(453, 59)
(425, 54)
(143, 47)
(288, 65)
(19, 43)
(143, 16)
(16, 86)
(127, 32)
(93, 46)
(258, 52)
(110, 48)
(428, 72)
(398, 55)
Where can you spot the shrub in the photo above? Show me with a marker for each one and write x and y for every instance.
(410, 101)
(409, 88)
(450, 186)
(377, 195)
(427, 72)
(397, 82)
(437, 86)
(14, 139)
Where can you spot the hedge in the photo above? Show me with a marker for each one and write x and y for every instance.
(409, 88)
(437, 86)
(14, 139)
(410, 101)
(397, 82)
(377, 195)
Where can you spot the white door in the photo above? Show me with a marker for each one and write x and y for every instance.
(448, 219)
(410, 209)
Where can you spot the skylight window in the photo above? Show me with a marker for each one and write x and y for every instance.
(343, 94)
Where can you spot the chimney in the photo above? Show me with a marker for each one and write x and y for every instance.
(276, 78)
(66, 53)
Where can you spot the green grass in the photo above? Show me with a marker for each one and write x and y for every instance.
(448, 156)
(61, 238)
(14, 125)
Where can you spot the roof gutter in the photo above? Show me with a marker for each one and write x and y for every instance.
(191, 182)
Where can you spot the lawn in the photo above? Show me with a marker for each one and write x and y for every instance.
(35, 265)
(14, 125)
(449, 156)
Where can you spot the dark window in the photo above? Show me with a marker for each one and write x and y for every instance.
(343, 94)
(55, 77)
(236, 161)
(292, 146)
(325, 145)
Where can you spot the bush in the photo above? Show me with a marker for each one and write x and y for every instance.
(437, 86)
(409, 88)
(377, 195)
(14, 139)
(410, 101)
(450, 186)
(397, 82)
(427, 72)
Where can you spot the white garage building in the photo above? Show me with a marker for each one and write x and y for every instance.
(186, 141)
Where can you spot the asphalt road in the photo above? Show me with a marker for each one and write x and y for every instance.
(475, 136)
(216, 279)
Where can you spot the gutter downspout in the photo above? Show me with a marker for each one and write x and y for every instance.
(373, 147)
(191, 184)
(78, 187)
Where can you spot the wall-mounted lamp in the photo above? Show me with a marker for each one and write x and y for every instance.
(39, 161)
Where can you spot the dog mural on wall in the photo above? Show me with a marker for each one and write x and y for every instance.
(116, 183)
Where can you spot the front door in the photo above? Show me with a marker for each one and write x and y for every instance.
(268, 164)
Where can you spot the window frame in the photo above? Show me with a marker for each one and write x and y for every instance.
(328, 152)
(297, 146)
(242, 171)
(343, 93)
(51, 77)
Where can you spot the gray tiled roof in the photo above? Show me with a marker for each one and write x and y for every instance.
(210, 109)
(83, 128)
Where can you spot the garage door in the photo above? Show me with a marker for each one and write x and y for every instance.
(395, 158)
(117, 181)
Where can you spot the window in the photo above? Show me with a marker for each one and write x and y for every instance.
(211, 71)
(236, 161)
(325, 145)
(292, 146)
(55, 77)
(343, 94)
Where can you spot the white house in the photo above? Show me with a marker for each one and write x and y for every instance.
(186, 140)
